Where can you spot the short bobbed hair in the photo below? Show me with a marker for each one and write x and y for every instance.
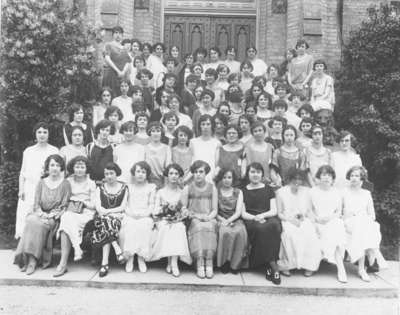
(58, 159)
(362, 169)
(326, 169)
(75, 107)
(117, 29)
(174, 166)
(255, 165)
(289, 127)
(302, 42)
(206, 117)
(77, 159)
(112, 166)
(144, 165)
(320, 62)
(222, 173)
(199, 164)
(128, 125)
(235, 127)
(257, 124)
(102, 124)
(39, 125)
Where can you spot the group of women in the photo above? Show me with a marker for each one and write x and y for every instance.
(226, 169)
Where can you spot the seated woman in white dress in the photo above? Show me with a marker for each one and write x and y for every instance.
(300, 246)
(137, 224)
(363, 232)
(80, 210)
(326, 203)
(322, 87)
(170, 235)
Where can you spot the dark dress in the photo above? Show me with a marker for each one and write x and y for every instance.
(231, 160)
(98, 158)
(87, 134)
(106, 227)
(264, 238)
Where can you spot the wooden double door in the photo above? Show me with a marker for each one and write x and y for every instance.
(191, 32)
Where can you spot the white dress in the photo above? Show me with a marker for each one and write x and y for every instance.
(169, 238)
(136, 233)
(259, 67)
(72, 223)
(32, 167)
(341, 163)
(320, 87)
(70, 151)
(331, 234)
(126, 155)
(205, 150)
(300, 245)
(125, 105)
(234, 66)
(363, 232)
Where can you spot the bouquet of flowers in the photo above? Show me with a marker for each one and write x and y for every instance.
(171, 213)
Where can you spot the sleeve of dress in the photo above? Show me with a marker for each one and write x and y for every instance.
(66, 194)
(23, 166)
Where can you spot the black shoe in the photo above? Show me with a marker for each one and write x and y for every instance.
(103, 271)
(234, 271)
(268, 274)
(276, 278)
(225, 268)
(373, 268)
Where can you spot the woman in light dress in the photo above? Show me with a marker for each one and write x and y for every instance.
(363, 232)
(80, 210)
(322, 88)
(300, 68)
(33, 159)
(259, 66)
(35, 246)
(344, 158)
(300, 247)
(76, 148)
(170, 235)
(137, 224)
(326, 202)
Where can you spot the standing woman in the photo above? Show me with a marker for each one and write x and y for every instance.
(100, 108)
(171, 240)
(245, 122)
(80, 210)
(76, 116)
(136, 48)
(100, 151)
(259, 66)
(111, 201)
(262, 224)
(322, 87)
(233, 65)
(232, 235)
(51, 198)
(201, 199)
(300, 244)
(363, 232)
(326, 202)
(300, 68)
(316, 155)
(116, 58)
(76, 148)
(155, 62)
(33, 160)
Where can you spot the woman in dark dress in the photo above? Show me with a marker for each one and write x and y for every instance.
(262, 224)
(76, 116)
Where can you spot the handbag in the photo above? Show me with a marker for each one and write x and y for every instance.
(75, 206)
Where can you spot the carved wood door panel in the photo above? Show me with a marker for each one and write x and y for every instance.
(191, 32)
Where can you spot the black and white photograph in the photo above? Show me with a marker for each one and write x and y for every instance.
(200, 157)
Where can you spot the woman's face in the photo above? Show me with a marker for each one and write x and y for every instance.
(256, 91)
(206, 127)
(246, 69)
(280, 111)
(305, 114)
(345, 143)
(124, 88)
(114, 117)
(326, 179)
(317, 136)
(263, 102)
(251, 111)
(189, 60)
(231, 54)
(77, 137)
(206, 100)
(289, 136)
(139, 64)
(197, 71)
(106, 97)
(227, 180)
(306, 127)
(224, 110)
(142, 122)
(210, 79)
(174, 104)
(54, 168)
(146, 51)
(42, 135)
(200, 57)
(355, 178)
(277, 126)
(137, 95)
(144, 78)
(273, 72)
(301, 49)
(281, 93)
(319, 68)
(129, 134)
(135, 47)
(170, 82)
(171, 123)
(232, 135)
(173, 176)
(295, 183)
(244, 125)
(155, 134)
(219, 126)
(117, 36)
(289, 55)
(197, 92)
(104, 133)
(170, 66)
(199, 175)
(80, 169)
(164, 98)
(213, 56)
(175, 52)
(182, 138)
(140, 174)
(255, 175)
(110, 176)
(259, 133)
(159, 50)
(251, 53)
(223, 73)
(78, 116)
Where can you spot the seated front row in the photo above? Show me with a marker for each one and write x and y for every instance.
(235, 228)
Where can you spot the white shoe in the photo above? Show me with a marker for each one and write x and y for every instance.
(175, 271)
(129, 265)
(364, 276)
(78, 253)
(168, 269)
(142, 264)
(342, 277)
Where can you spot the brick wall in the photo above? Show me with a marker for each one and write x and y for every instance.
(331, 44)
(294, 22)
(147, 23)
